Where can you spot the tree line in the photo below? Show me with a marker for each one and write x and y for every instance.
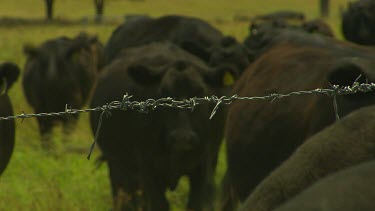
(99, 9)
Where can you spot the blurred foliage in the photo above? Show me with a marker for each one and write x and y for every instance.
(65, 180)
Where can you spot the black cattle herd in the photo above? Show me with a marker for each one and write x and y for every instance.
(289, 155)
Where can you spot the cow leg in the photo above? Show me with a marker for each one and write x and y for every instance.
(229, 199)
(154, 189)
(155, 198)
(124, 185)
(45, 129)
(201, 190)
(69, 123)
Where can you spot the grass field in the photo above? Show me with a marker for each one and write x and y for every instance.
(35, 180)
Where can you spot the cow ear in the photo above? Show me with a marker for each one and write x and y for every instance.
(96, 48)
(9, 73)
(80, 43)
(346, 74)
(143, 74)
(76, 47)
(30, 50)
(228, 78)
(83, 37)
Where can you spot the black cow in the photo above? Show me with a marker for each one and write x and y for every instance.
(351, 189)
(8, 75)
(191, 34)
(61, 71)
(260, 135)
(262, 30)
(358, 22)
(148, 153)
(345, 143)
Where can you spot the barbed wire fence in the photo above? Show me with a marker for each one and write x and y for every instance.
(151, 104)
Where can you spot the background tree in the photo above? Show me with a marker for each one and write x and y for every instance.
(49, 9)
(99, 8)
(324, 8)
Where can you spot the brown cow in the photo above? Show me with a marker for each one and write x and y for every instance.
(260, 135)
(351, 189)
(8, 75)
(345, 143)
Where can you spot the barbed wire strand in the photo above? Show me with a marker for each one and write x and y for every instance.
(151, 104)
(191, 103)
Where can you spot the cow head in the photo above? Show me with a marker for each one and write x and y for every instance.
(57, 57)
(180, 76)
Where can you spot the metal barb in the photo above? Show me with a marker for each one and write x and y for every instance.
(275, 96)
(192, 103)
(23, 118)
(125, 102)
(219, 101)
(335, 107)
(105, 113)
(336, 89)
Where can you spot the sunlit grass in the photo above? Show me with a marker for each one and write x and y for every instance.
(66, 180)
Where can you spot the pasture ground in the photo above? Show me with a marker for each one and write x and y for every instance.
(35, 180)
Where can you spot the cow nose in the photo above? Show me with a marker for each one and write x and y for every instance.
(183, 140)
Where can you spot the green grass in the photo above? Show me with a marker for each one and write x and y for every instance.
(35, 180)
